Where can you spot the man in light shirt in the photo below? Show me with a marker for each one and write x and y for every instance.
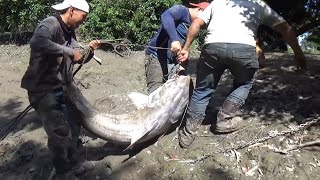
(230, 44)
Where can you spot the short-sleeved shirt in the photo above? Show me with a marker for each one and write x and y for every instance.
(234, 21)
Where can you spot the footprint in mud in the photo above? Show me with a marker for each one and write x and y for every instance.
(105, 104)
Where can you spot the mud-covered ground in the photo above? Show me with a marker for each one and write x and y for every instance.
(279, 100)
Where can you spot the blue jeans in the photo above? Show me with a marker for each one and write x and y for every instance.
(215, 58)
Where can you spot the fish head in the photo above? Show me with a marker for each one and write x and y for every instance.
(165, 107)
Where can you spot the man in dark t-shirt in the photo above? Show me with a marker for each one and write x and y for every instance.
(54, 50)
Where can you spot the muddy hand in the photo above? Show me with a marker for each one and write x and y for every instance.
(175, 47)
(183, 56)
(300, 63)
(77, 56)
(95, 44)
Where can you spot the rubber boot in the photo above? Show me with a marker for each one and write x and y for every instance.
(227, 121)
(187, 133)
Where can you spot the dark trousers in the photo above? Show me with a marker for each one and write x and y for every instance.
(156, 73)
(159, 70)
(215, 58)
(60, 123)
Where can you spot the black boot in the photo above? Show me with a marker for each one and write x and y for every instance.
(187, 133)
(227, 121)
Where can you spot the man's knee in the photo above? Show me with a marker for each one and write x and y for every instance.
(61, 132)
(154, 75)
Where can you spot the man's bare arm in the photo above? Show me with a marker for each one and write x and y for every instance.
(193, 31)
(289, 36)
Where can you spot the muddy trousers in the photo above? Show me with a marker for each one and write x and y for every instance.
(155, 74)
(62, 132)
(215, 58)
(158, 72)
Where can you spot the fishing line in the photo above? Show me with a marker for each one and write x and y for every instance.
(15, 121)
(183, 116)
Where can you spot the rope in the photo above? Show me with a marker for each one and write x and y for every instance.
(147, 46)
(122, 47)
(15, 121)
(112, 42)
(19, 117)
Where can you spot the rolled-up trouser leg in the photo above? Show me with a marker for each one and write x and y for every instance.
(154, 74)
(52, 115)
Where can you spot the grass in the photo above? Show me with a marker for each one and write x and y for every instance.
(306, 51)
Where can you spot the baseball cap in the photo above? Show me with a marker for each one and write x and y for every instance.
(79, 4)
(201, 5)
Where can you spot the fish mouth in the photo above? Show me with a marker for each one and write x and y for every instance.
(184, 80)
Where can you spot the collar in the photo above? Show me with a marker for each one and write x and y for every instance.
(65, 28)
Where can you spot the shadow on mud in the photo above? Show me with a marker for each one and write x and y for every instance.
(12, 120)
(29, 160)
(279, 93)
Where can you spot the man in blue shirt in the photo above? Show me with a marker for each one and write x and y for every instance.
(166, 43)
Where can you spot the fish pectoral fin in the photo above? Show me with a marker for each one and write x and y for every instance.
(139, 100)
(135, 137)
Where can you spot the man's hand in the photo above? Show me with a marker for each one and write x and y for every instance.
(175, 47)
(95, 44)
(183, 56)
(289, 36)
(300, 61)
(77, 56)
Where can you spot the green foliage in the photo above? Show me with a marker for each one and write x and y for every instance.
(145, 21)
(313, 41)
(18, 15)
(134, 20)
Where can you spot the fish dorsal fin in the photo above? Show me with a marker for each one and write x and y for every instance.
(139, 100)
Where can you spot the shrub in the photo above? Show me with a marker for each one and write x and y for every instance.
(134, 20)
(18, 16)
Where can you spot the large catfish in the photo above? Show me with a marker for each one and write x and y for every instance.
(154, 115)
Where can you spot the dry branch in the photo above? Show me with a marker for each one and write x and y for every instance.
(311, 143)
